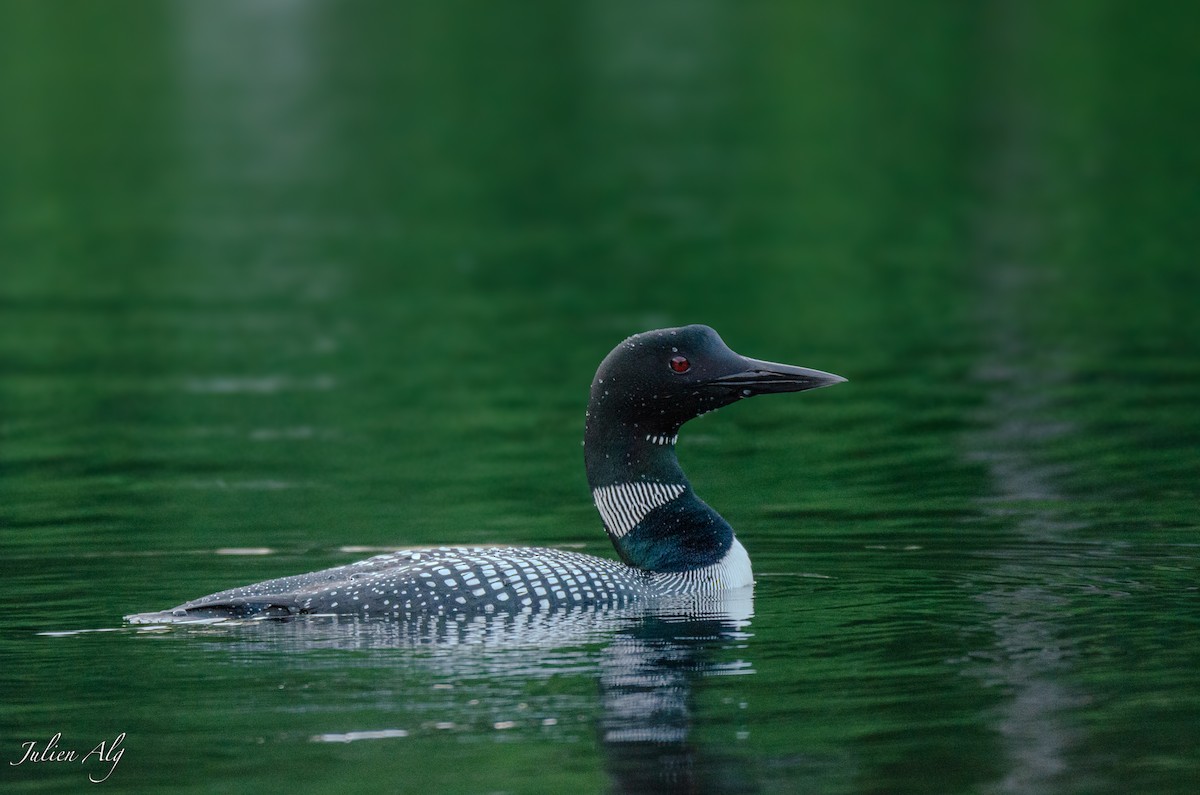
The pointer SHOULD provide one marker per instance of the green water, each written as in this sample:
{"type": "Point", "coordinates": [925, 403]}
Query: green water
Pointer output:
{"type": "Point", "coordinates": [303, 278]}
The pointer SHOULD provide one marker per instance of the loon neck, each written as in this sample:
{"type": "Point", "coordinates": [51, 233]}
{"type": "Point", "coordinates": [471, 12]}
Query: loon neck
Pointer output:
{"type": "Point", "coordinates": [653, 518]}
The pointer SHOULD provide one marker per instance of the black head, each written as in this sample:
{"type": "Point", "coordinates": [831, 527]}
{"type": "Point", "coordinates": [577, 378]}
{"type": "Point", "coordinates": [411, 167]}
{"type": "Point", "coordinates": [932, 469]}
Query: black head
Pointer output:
{"type": "Point", "coordinates": [659, 380]}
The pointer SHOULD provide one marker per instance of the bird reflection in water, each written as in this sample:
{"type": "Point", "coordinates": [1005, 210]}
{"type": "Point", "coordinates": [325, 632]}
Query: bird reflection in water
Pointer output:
{"type": "Point", "coordinates": [650, 675]}
{"type": "Point", "coordinates": [649, 663]}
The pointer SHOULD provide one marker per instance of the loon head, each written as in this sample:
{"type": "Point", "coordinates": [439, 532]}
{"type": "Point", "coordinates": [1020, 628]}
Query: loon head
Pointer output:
{"type": "Point", "coordinates": [661, 379]}
{"type": "Point", "coordinates": [644, 391]}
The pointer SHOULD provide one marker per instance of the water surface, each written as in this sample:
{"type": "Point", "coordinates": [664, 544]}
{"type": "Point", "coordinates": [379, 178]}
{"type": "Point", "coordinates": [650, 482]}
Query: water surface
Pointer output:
{"type": "Point", "coordinates": [286, 283]}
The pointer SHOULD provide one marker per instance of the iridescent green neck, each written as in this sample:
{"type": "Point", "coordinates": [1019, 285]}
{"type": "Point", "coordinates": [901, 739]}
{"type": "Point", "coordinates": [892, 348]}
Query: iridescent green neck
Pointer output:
{"type": "Point", "coordinates": [654, 519]}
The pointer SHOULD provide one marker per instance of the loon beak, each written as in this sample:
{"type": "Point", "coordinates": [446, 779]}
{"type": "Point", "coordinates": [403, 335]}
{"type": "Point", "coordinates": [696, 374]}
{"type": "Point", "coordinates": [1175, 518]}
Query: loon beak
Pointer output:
{"type": "Point", "coordinates": [761, 378]}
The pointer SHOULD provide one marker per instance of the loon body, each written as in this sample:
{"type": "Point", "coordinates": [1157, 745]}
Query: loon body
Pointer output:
{"type": "Point", "coordinates": [669, 541]}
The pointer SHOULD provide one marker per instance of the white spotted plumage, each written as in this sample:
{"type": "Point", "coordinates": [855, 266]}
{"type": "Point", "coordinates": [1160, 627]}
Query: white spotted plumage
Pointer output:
{"type": "Point", "coordinates": [399, 583]}
{"type": "Point", "coordinates": [408, 582]}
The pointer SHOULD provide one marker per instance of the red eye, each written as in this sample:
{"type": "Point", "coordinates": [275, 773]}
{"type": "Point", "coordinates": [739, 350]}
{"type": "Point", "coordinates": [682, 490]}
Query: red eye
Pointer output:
{"type": "Point", "coordinates": [680, 364]}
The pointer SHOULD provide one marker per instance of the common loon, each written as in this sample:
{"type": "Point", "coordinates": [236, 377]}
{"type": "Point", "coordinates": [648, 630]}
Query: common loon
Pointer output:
{"type": "Point", "coordinates": [670, 542]}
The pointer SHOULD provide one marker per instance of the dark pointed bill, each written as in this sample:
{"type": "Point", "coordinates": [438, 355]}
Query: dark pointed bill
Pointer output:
{"type": "Point", "coordinates": [761, 377]}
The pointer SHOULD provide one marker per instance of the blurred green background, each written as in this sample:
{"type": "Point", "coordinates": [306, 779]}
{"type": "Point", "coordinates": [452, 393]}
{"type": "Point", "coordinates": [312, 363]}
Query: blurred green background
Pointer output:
{"type": "Point", "coordinates": [301, 276]}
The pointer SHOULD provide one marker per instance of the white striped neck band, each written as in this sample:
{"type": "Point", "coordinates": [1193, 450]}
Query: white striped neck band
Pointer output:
{"type": "Point", "coordinates": [624, 505]}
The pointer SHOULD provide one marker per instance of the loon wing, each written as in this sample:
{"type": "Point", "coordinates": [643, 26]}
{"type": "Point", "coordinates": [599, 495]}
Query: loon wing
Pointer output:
{"type": "Point", "coordinates": [278, 598]}
{"type": "Point", "coordinates": [420, 581]}
{"type": "Point", "coordinates": [290, 596]}
{"type": "Point", "coordinates": [203, 610]}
